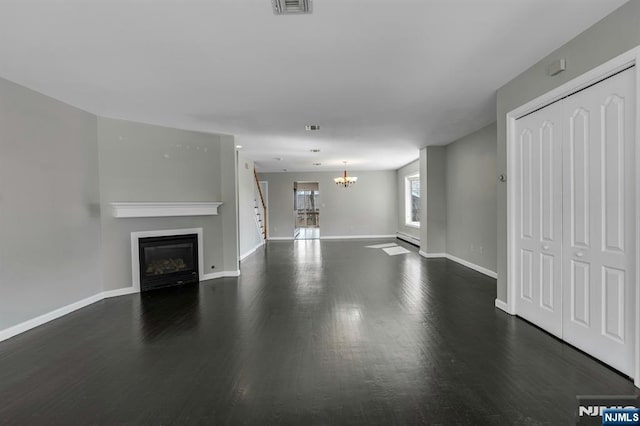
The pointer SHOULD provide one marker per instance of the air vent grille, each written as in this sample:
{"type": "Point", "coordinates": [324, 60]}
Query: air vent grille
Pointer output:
{"type": "Point", "coordinates": [291, 7]}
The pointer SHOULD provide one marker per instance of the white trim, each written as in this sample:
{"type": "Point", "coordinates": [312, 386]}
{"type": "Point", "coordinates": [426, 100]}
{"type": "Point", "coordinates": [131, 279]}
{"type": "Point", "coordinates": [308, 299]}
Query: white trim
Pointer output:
{"type": "Point", "coordinates": [354, 237]}
{"type": "Point", "coordinates": [250, 252]}
{"type": "Point", "coordinates": [408, 238]}
{"type": "Point", "coordinates": [135, 253]}
{"type": "Point", "coordinates": [636, 380]}
{"type": "Point", "coordinates": [485, 271]}
{"type": "Point", "coordinates": [511, 211]}
{"type": "Point", "coordinates": [7, 333]}
{"type": "Point", "coordinates": [279, 238]}
{"type": "Point", "coordinates": [620, 62]}
{"type": "Point", "coordinates": [477, 268]}
{"type": "Point", "coordinates": [431, 255]}
{"type": "Point", "coordinates": [223, 274]}
{"type": "Point", "coordinates": [503, 306]}
{"type": "Point", "coordinates": [164, 209]}
{"type": "Point", "coordinates": [119, 292]}
{"type": "Point", "coordinates": [60, 312]}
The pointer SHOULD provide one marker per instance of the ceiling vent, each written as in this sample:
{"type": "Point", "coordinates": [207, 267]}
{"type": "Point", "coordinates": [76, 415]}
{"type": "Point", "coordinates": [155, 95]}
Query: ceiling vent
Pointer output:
{"type": "Point", "coordinates": [291, 7]}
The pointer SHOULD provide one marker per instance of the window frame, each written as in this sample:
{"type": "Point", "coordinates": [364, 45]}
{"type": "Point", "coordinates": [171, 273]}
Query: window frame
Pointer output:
{"type": "Point", "coordinates": [407, 199]}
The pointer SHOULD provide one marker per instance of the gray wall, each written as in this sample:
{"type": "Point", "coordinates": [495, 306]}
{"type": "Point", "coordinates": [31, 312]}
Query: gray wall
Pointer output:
{"type": "Point", "coordinates": [401, 174]}
{"type": "Point", "coordinates": [308, 186]}
{"type": "Point", "coordinates": [613, 35]}
{"type": "Point", "coordinates": [229, 196]}
{"type": "Point", "coordinates": [140, 162]}
{"type": "Point", "coordinates": [247, 196]}
{"type": "Point", "coordinates": [60, 166]}
{"type": "Point", "coordinates": [49, 205]}
{"type": "Point", "coordinates": [366, 208]}
{"type": "Point", "coordinates": [436, 201]}
{"type": "Point", "coordinates": [471, 198]}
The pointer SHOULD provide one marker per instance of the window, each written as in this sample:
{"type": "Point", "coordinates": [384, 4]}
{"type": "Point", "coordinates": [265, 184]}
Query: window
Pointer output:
{"type": "Point", "coordinates": [412, 200]}
{"type": "Point", "coordinates": [306, 206]}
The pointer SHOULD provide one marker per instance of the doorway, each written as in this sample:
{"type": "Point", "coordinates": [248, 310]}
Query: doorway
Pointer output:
{"type": "Point", "coordinates": [306, 210]}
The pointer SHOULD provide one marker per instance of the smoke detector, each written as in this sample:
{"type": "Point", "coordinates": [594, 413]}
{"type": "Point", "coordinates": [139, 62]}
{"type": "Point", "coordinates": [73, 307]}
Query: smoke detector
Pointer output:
{"type": "Point", "coordinates": [291, 7]}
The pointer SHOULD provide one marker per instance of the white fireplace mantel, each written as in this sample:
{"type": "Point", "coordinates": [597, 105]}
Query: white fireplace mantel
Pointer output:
{"type": "Point", "coordinates": [165, 209]}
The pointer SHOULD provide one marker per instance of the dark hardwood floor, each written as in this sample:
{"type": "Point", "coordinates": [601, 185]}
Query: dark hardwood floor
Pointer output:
{"type": "Point", "coordinates": [313, 332]}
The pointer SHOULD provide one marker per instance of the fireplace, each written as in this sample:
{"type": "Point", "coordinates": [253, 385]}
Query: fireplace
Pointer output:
{"type": "Point", "coordinates": [168, 260]}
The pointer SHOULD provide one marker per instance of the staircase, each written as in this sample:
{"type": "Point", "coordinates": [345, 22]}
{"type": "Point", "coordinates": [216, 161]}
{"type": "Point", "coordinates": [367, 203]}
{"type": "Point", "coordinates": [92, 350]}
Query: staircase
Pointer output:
{"type": "Point", "coordinates": [260, 209]}
{"type": "Point", "coordinates": [260, 224]}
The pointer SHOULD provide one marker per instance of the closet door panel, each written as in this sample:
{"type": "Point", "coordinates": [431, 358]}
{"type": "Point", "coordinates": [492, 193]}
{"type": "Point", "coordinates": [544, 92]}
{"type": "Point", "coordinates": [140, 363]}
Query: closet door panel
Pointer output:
{"type": "Point", "coordinates": [579, 171]}
{"type": "Point", "coordinates": [539, 218]}
{"type": "Point", "coordinates": [598, 213]}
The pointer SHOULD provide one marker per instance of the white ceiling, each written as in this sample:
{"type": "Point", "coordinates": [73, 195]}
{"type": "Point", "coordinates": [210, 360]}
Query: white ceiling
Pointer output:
{"type": "Point", "coordinates": [381, 78]}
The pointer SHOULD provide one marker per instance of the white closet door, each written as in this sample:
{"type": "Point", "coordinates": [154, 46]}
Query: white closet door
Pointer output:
{"type": "Point", "coordinates": [539, 218]}
{"type": "Point", "coordinates": [598, 220]}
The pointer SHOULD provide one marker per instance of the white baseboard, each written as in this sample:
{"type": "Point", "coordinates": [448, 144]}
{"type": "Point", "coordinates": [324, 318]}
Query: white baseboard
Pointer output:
{"type": "Point", "coordinates": [473, 266]}
{"type": "Point", "coordinates": [119, 292]}
{"type": "Point", "coordinates": [463, 262]}
{"type": "Point", "coordinates": [250, 252]}
{"type": "Point", "coordinates": [408, 238]}
{"type": "Point", "coordinates": [354, 237]}
{"type": "Point", "coordinates": [503, 307]}
{"type": "Point", "coordinates": [337, 237]}
{"type": "Point", "coordinates": [12, 331]}
{"type": "Point", "coordinates": [431, 255]}
{"type": "Point", "coordinates": [221, 274]}
{"type": "Point", "coordinates": [7, 333]}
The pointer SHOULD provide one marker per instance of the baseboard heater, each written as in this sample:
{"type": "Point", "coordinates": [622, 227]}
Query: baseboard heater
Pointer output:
{"type": "Point", "coordinates": [408, 238]}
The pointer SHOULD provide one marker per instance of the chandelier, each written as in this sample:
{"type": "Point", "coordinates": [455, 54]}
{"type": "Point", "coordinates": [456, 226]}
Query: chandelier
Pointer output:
{"type": "Point", "coordinates": [345, 180]}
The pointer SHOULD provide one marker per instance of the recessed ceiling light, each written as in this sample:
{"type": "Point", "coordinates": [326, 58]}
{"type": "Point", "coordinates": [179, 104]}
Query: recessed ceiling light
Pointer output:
{"type": "Point", "coordinates": [238, 146]}
{"type": "Point", "coordinates": [317, 164]}
{"type": "Point", "coordinates": [314, 150]}
{"type": "Point", "coordinates": [312, 127]}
